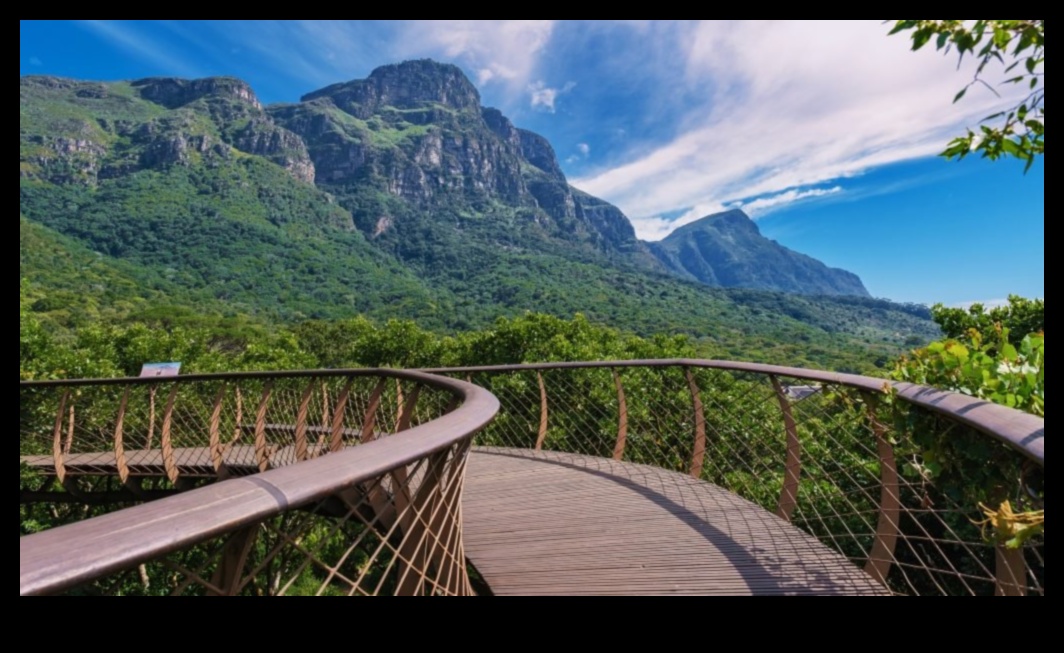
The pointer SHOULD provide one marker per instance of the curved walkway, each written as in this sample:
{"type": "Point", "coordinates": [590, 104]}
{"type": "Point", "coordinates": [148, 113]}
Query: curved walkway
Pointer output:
{"type": "Point", "coordinates": [539, 523]}
{"type": "Point", "coordinates": [559, 524]}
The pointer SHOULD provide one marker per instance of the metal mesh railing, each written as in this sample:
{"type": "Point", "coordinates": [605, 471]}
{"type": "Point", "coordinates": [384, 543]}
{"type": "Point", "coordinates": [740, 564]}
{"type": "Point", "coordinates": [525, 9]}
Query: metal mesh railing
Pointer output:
{"type": "Point", "coordinates": [294, 484]}
{"type": "Point", "coordinates": [839, 457]}
{"type": "Point", "coordinates": [303, 484]}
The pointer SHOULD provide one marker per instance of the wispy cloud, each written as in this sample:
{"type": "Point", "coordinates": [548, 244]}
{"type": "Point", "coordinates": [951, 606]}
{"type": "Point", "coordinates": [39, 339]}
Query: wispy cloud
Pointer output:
{"type": "Point", "coordinates": [498, 51]}
{"type": "Point", "coordinates": [36, 61]}
{"type": "Point", "coordinates": [131, 40]}
{"type": "Point", "coordinates": [759, 207]}
{"type": "Point", "coordinates": [545, 98]}
{"type": "Point", "coordinates": [584, 149]}
{"type": "Point", "coordinates": [790, 106]}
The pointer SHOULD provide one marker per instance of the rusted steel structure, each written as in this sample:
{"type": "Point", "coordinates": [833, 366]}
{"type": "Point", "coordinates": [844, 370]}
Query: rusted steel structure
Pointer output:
{"type": "Point", "coordinates": [638, 477]}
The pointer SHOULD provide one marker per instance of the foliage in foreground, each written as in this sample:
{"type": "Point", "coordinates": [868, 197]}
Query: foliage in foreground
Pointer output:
{"type": "Point", "coordinates": [1018, 46]}
{"type": "Point", "coordinates": [993, 355]}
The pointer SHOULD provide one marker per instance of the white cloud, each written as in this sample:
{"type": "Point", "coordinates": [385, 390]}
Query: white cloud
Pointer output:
{"type": "Point", "coordinates": [499, 51]}
{"type": "Point", "coordinates": [655, 228]}
{"type": "Point", "coordinates": [36, 61]}
{"type": "Point", "coordinates": [762, 205]}
{"type": "Point", "coordinates": [545, 98]}
{"type": "Point", "coordinates": [790, 105]}
{"type": "Point", "coordinates": [130, 40]}
{"type": "Point", "coordinates": [584, 149]}
{"type": "Point", "coordinates": [505, 53]}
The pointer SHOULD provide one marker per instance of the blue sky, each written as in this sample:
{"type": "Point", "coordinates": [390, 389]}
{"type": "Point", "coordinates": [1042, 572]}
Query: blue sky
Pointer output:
{"type": "Point", "coordinates": [825, 131]}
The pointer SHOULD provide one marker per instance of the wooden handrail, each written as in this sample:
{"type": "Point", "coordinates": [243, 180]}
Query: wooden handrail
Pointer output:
{"type": "Point", "coordinates": [69, 556]}
{"type": "Point", "coordinates": [1023, 432]}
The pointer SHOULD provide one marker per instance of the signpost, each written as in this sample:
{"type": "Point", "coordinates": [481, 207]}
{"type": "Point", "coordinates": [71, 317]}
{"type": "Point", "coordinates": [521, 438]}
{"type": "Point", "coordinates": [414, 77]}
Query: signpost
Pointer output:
{"type": "Point", "coordinates": [160, 370]}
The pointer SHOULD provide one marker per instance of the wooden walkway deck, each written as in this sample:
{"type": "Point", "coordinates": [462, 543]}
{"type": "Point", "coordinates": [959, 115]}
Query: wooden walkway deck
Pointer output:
{"type": "Point", "coordinates": [559, 524]}
{"type": "Point", "coordinates": [553, 524]}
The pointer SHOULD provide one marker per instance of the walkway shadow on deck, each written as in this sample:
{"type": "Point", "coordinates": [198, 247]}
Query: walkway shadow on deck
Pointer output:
{"type": "Point", "coordinates": [745, 549]}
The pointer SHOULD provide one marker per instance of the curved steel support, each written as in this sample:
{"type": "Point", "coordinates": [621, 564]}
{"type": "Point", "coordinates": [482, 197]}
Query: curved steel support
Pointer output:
{"type": "Point", "coordinates": [215, 443]}
{"type": "Point", "coordinates": [120, 448]}
{"type": "Point", "coordinates": [302, 415]}
{"type": "Point", "coordinates": [262, 448]}
{"type": "Point", "coordinates": [369, 422]}
{"type": "Point", "coordinates": [406, 415]}
{"type": "Point", "coordinates": [69, 443]}
{"type": "Point", "coordinates": [169, 462]}
{"type": "Point", "coordinates": [339, 410]}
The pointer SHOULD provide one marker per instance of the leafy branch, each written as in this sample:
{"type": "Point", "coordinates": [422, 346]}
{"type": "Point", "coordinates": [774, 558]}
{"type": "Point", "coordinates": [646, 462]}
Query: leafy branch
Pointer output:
{"type": "Point", "coordinates": [1018, 46]}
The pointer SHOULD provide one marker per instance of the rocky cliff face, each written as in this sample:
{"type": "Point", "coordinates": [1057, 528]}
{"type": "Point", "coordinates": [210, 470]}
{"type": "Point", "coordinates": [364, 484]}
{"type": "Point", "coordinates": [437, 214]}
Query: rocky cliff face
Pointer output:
{"type": "Point", "coordinates": [728, 250]}
{"type": "Point", "coordinates": [112, 130]}
{"type": "Point", "coordinates": [416, 132]}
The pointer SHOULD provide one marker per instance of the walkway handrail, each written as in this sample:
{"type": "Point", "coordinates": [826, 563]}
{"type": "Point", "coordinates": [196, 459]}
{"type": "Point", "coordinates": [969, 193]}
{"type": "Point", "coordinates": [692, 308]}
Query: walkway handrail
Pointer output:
{"type": "Point", "coordinates": [892, 475]}
{"type": "Point", "coordinates": [71, 556]}
{"type": "Point", "coordinates": [1023, 432]}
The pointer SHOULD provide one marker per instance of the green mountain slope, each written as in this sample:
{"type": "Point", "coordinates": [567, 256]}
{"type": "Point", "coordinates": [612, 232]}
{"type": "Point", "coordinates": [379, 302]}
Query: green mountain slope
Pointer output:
{"type": "Point", "coordinates": [397, 196]}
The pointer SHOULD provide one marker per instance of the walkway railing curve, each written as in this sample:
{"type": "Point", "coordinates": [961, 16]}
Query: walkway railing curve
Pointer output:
{"type": "Point", "coordinates": [272, 484]}
{"type": "Point", "coordinates": [891, 475]}
{"type": "Point", "coordinates": [319, 483]}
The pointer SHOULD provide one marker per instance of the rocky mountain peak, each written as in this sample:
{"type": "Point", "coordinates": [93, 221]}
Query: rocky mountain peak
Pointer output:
{"type": "Point", "coordinates": [175, 93]}
{"type": "Point", "coordinates": [728, 250]}
{"type": "Point", "coordinates": [405, 86]}
{"type": "Point", "coordinates": [733, 221]}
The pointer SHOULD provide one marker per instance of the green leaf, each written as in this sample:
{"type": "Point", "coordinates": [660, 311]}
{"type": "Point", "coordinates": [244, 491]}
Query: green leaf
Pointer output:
{"type": "Point", "coordinates": [960, 351]}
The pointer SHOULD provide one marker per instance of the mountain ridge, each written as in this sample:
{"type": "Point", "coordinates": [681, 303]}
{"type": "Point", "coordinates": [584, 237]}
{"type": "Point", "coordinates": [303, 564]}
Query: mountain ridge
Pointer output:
{"type": "Point", "coordinates": [368, 198]}
{"type": "Point", "coordinates": [728, 250]}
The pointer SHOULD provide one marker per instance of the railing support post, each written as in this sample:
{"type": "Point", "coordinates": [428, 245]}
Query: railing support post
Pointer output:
{"type": "Point", "coordinates": [793, 470]}
{"type": "Point", "coordinates": [881, 559]}
{"type": "Point", "coordinates": [698, 458]}
{"type": "Point", "coordinates": [622, 418]}
{"type": "Point", "coordinates": [57, 441]}
{"type": "Point", "coordinates": [544, 413]}
{"type": "Point", "coordinates": [1011, 572]}
{"type": "Point", "coordinates": [229, 574]}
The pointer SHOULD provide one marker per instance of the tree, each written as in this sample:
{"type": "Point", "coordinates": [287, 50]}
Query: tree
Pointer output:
{"type": "Point", "coordinates": [1021, 317]}
{"type": "Point", "coordinates": [1018, 46]}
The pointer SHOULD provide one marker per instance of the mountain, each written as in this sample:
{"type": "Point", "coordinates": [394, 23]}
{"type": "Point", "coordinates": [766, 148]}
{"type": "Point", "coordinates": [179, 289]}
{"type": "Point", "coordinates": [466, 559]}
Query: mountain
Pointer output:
{"type": "Point", "coordinates": [423, 167]}
{"type": "Point", "coordinates": [394, 196]}
{"type": "Point", "coordinates": [727, 250]}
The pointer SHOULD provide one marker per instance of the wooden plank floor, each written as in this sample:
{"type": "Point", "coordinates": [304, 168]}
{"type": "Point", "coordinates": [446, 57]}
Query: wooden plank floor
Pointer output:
{"type": "Point", "coordinates": [559, 524]}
